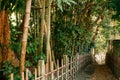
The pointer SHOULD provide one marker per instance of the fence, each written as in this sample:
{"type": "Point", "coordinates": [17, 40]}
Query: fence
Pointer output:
{"type": "Point", "coordinates": [66, 69]}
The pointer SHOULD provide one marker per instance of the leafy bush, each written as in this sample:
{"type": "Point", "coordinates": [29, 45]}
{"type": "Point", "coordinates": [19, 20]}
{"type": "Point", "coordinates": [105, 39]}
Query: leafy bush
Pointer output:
{"type": "Point", "coordinates": [8, 68]}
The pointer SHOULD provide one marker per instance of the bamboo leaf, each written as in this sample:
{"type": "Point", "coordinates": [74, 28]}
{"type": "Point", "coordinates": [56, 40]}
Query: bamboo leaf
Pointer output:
{"type": "Point", "coordinates": [71, 1]}
{"type": "Point", "coordinates": [59, 3]}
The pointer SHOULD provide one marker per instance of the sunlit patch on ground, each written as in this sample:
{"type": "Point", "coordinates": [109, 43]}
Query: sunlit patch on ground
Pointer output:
{"type": "Point", "coordinates": [100, 58]}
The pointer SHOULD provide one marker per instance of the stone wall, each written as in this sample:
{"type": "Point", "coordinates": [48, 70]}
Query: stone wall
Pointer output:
{"type": "Point", "coordinates": [114, 63]}
{"type": "Point", "coordinates": [113, 57]}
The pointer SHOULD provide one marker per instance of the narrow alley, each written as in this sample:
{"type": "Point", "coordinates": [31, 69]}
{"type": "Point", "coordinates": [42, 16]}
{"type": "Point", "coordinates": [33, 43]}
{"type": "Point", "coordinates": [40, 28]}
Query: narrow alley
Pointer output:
{"type": "Point", "coordinates": [98, 70]}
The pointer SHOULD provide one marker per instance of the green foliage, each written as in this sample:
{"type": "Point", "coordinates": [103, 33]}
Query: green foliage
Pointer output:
{"type": "Point", "coordinates": [66, 34]}
{"type": "Point", "coordinates": [64, 37]}
{"type": "Point", "coordinates": [15, 43]}
{"type": "Point", "coordinates": [114, 5]}
{"type": "Point", "coordinates": [13, 5]}
{"type": "Point", "coordinates": [37, 57]}
{"type": "Point", "coordinates": [31, 46]}
{"type": "Point", "coordinates": [61, 2]}
{"type": "Point", "coordinates": [8, 68]}
{"type": "Point", "coordinates": [28, 63]}
{"type": "Point", "coordinates": [116, 29]}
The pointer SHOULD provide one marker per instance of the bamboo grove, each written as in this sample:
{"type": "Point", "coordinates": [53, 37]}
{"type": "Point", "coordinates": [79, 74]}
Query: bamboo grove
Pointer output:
{"type": "Point", "coordinates": [31, 30]}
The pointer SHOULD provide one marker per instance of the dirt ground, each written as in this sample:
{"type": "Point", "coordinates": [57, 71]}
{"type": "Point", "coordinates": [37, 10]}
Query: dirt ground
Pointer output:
{"type": "Point", "coordinates": [95, 72]}
{"type": "Point", "coordinates": [102, 72]}
{"type": "Point", "coordinates": [86, 74]}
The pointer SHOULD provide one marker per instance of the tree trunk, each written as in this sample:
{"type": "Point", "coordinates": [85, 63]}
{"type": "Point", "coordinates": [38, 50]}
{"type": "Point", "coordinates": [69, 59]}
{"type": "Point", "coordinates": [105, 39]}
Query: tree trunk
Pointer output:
{"type": "Point", "coordinates": [96, 33]}
{"type": "Point", "coordinates": [96, 23]}
{"type": "Point", "coordinates": [20, 29]}
{"type": "Point", "coordinates": [5, 53]}
{"type": "Point", "coordinates": [25, 35]}
{"type": "Point", "coordinates": [5, 35]}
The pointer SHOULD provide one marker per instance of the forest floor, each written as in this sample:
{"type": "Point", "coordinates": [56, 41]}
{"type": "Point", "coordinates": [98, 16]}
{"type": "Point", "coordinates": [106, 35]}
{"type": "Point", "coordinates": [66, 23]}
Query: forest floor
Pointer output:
{"type": "Point", "coordinates": [95, 72]}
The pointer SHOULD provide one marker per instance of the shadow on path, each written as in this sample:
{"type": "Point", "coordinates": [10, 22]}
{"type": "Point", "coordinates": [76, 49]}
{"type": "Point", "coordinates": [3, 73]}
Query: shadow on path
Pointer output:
{"type": "Point", "coordinates": [95, 72]}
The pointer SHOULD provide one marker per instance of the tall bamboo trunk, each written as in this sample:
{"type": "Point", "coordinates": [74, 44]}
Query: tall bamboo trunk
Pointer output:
{"type": "Point", "coordinates": [25, 35]}
{"type": "Point", "coordinates": [48, 15]}
{"type": "Point", "coordinates": [42, 2]}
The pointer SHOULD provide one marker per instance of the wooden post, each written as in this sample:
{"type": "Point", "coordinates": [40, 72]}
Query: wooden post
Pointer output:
{"type": "Point", "coordinates": [35, 73]}
{"type": "Point", "coordinates": [23, 76]}
{"type": "Point", "coordinates": [62, 69]}
{"type": "Point", "coordinates": [77, 62]}
{"type": "Point", "coordinates": [46, 70]}
{"type": "Point", "coordinates": [66, 66]}
{"type": "Point", "coordinates": [71, 67]}
{"type": "Point", "coordinates": [57, 69]}
{"type": "Point", "coordinates": [39, 63]}
{"type": "Point", "coordinates": [51, 69]}
{"type": "Point", "coordinates": [80, 61]}
{"type": "Point", "coordinates": [42, 69]}
{"type": "Point", "coordinates": [11, 76]}
{"type": "Point", "coordinates": [26, 73]}
{"type": "Point", "coordinates": [74, 64]}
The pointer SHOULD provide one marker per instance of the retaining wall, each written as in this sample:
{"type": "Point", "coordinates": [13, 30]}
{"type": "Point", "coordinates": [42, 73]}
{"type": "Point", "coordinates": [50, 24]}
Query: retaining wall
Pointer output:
{"type": "Point", "coordinates": [114, 63]}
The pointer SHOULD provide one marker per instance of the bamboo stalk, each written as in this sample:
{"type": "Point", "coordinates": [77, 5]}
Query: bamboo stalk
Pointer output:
{"type": "Point", "coordinates": [26, 73]}
{"type": "Point", "coordinates": [35, 73]}
{"type": "Point", "coordinates": [78, 61]}
{"type": "Point", "coordinates": [48, 20]}
{"type": "Point", "coordinates": [51, 69]}
{"type": "Point", "coordinates": [57, 70]}
{"type": "Point", "coordinates": [39, 68]}
{"type": "Point", "coordinates": [42, 4]}
{"type": "Point", "coordinates": [71, 68]}
{"type": "Point", "coordinates": [75, 65]}
{"type": "Point", "coordinates": [66, 69]}
{"type": "Point", "coordinates": [42, 69]}
{"type": "Point", "coordinates": [25, 35]}
{"type": "Point", "coordinates": [11, 76]}
{"type": "Point", "coordinates": [62, 69]}
{"type": "Point", "coordinates": [22, 76]}
{"type": "Point", "coordinates": [46, 70]}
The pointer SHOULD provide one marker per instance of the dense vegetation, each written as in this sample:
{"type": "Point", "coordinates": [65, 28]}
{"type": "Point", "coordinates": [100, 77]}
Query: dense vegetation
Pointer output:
{"type": "Point", "coordinates": [57, 27]}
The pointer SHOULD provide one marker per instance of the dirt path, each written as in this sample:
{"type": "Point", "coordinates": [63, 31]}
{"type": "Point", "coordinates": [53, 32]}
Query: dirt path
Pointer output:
{"type": "Point", "coordinates": [86, 74]}
{"type": "Point", "coordinates": [102, 72]}
{"type": "Point", "coordinates": [96, 72]}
